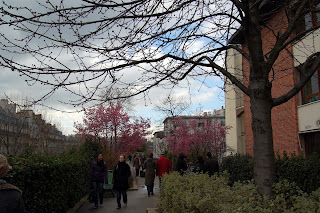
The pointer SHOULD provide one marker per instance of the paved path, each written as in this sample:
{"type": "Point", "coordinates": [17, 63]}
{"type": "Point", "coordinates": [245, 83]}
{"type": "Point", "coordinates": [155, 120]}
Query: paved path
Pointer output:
{"type": "Point", "coordinates": [138, 201]}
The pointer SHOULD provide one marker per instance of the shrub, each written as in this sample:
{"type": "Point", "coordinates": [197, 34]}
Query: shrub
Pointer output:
{"type": "Point", "coordinates": [201, 194]}
{"type": "Point", "coordinates": [53, 183]}
{"type": "Point", "coordinates": [240, 167]}
{"type": "Point", "coordinates": [302, 171]}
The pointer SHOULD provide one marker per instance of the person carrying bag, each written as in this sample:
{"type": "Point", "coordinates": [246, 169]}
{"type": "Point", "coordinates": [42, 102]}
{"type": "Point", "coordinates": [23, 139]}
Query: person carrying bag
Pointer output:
{"type": "Point", "coordinates": [98, 176]}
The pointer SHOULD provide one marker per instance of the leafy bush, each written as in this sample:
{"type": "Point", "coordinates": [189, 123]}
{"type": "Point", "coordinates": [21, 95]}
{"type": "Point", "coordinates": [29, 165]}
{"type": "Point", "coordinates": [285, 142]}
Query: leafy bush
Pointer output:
{"type": "Point", "coordinates": [240, 167]}
{"type": "Point", "coordinates": [304, 172]}
{"type": "Point", "coordinates": [200, 193]}
{"type": "Point", "coordinates": [53, 183]}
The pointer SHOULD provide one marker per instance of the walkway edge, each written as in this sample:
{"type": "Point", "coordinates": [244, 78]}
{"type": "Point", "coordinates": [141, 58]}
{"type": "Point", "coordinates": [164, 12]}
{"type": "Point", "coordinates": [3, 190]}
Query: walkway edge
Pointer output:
{"type": "Point", "coordinates": [78, 205]}
{"type": "Point", "coordinates": [151, 210]}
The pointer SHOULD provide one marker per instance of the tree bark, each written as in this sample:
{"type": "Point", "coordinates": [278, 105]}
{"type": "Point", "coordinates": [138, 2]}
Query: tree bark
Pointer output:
{"type": "Point", "coordinates": [261, 103]}
{"type": "Point", "coordinates": [261, 106]}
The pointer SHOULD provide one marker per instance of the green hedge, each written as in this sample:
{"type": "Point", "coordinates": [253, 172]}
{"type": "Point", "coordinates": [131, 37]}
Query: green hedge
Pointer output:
{"type": "Point", "coordinates": [304, 172]}
{"type": "Point", "coordinates": [198, 193]}
{"type": "Point", "coordinates": [240, 167]}
{"type": "Point", "coordinates": [53, 183]}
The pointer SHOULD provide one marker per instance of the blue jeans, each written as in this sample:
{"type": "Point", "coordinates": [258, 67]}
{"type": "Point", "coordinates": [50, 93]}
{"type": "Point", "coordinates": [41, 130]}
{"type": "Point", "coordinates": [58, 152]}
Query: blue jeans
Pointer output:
{"type": "Point", "coordinates": [124, 195]}
{"type": "Point", "coordinates": [97, 189]}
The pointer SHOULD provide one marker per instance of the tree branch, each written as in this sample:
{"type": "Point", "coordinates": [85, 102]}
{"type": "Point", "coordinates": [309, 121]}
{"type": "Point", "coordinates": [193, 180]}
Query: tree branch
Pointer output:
{"type": "Point", "coordinates": [278, 47]}
{"type": "Point", "coordinates": [308, 73]}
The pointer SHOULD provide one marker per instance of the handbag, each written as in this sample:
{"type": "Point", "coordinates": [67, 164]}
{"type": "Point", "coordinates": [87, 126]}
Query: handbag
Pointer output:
{"type": "Point", "coordinates": [91, 197]}
{"type": "Point", "coordinates": [142, 173]}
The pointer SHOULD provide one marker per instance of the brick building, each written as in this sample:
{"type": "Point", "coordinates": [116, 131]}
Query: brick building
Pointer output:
{"type": "Point", "coordinates": [296, 123]}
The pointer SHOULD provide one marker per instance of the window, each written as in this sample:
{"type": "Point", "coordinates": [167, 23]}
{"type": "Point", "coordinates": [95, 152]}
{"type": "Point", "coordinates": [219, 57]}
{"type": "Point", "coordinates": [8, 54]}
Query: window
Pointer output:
{"type": "Point", "coordinates": [310, 19]}
{"type": "Point", "coordinates": [312, 143]}
{"type": "Point", "coordinates": [311, 91]}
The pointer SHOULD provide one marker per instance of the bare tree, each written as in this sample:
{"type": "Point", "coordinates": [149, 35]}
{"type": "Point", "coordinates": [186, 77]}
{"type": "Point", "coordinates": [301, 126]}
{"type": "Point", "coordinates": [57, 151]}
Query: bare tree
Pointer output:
{"type": "Point", "coordinates": [127, 103]}
{"type": "Point", "coordinates": [172, 106]}
{"type": "Point", "coordinates": [137, 45]}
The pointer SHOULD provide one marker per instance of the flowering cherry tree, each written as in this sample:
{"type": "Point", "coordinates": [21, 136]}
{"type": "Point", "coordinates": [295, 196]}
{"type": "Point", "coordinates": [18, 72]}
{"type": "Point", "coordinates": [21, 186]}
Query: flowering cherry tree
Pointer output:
{"type": "Point", "coordinates": [194, 138]}
{"type": "Point", "coordinates": [112, 126]}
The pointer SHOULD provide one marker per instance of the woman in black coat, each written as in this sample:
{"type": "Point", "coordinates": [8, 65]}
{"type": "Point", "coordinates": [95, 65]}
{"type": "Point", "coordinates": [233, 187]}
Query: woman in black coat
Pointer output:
{"type": "Point", "coordinates": [150, 166]}
{"type": "Point", "coordinates": [98, 176]}
{"type": "Point", "coordinates": [181, 164]}
{"type": "Point", "coordinates": [121, 176]}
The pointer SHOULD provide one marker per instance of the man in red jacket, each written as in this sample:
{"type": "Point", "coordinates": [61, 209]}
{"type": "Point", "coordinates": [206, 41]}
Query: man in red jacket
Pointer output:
{"type": "Point", "coordinates": [163, 167]}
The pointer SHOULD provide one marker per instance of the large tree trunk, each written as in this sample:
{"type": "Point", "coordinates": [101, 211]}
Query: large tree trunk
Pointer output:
{"type": "Point", "coordinates": [261, 105]}
{"type": "Point", "coordinates": [261, 102]}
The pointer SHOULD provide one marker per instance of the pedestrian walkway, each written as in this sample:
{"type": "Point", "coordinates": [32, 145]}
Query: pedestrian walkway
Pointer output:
{"type": "Point", "coordinates": [138, 201]}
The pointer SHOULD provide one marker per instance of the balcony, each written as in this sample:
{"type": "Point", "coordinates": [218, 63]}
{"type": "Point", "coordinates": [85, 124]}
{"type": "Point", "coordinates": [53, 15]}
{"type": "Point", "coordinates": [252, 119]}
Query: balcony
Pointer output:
{"type": "Point", "coordinates": [309, 117]}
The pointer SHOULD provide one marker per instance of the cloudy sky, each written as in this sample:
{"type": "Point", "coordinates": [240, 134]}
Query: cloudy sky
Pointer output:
{"type": "Point", "coordinates": [204, 93]}
{"type": "Point", "coordinates": [205, 97]}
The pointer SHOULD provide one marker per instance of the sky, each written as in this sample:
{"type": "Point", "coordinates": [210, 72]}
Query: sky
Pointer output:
{"type": "Point", "coordinates": [201, 96]}
{"type": "Point", "coordinates": [204, 94]}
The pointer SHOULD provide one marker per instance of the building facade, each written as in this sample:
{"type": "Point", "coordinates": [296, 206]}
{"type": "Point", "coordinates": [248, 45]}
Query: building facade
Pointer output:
{"type": "Point", "coordinates": [24, 130]}
{"type": "Point", "coordinates": [296, 123]}
{"type": "Point", "coordinates": [159, 144]}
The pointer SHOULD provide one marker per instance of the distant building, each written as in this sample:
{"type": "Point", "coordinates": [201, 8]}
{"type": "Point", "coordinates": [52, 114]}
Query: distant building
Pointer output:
{"type": "Point", "coordinates": [159, 143]}
{"type": "Point", "coordinates": [25, 130]}
{"type": "Point", "coordinates": [213, 116]}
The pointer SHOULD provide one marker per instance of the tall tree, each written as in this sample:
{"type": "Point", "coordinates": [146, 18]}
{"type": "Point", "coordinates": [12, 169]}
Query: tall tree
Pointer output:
{"type": "Point", "coordinates": [112, 125]}
{"type": "Point", "coordinates": [138, 44]}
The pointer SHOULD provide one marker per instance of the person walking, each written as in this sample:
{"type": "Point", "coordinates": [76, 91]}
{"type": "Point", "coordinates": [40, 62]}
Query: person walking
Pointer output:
{"type": "Point", "coordinates": [150, 167]}
{"type": "Point", "coordinates": [181, 165]}
{"type": "Point", "coordinates": [121, 176]}
{"type": "Point", "coordinates": [130, 159]}
{"type": "Point", "coordinates": [211, 165]}
{"type": "Point", "coordinates": [98, 176]}
{"type": "Point", "coordinates": [143, 159]}
{"type": "Point", "coordinates": [137, 164]}
{"type": "Point", "coordinates": [10, 195]}
{"type": "Point", "coordinates": [199, 167]}
{"type": "Point", "coordinates": [163, 167]}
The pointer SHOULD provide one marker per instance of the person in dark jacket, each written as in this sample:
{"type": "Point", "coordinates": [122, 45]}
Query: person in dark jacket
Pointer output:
{"type": "Point", "coordinates": [143, 159]}
{"type": "Point", "coordinates": [130, 158]}
{"type": "Point", "coordinates": [10, 196]}
{"type": "Point", "coordinates": [150, 167]}
{"type": "Point", "coordinates": [211, 165]}
{"type": "Point", "coordinates": [199, 167]}
{"type": "Point", "coordinates": [137, 164]}
{"type": "Point", "coordinates": [121, 176]}
{"type": "Point", "coordinates": [181, 166]}
{"type": "Point", "coordinates": [98, 176]}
